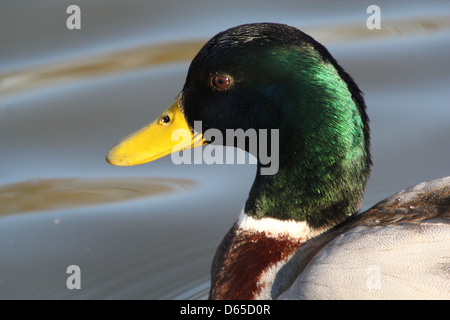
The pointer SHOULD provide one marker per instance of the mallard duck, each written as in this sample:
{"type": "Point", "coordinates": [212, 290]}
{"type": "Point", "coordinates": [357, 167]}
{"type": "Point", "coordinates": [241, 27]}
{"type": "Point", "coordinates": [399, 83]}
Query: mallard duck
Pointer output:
{"type": "Point", "coordinates": [299, 234]}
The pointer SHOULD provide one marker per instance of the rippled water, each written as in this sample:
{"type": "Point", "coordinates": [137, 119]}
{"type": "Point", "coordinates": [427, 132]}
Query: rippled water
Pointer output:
{"type": "Point", "coordinates": [151, 231]}
{"type": "Point", "coordinates": [54, 194]}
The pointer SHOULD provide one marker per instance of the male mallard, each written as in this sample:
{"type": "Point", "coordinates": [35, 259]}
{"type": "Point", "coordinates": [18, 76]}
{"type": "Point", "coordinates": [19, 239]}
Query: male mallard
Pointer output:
{"type": "Point", "coordinates": [299, 234]}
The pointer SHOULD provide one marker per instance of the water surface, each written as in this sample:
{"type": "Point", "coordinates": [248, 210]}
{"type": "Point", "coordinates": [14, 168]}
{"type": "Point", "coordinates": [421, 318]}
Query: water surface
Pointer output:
{"type": "Point", "coordinates": [150, 232]}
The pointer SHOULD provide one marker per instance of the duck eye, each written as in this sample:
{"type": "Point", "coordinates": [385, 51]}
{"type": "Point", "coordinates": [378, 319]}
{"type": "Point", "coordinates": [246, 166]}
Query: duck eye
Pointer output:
{"type": "Point", "coordinates": [221, 82]}
{"type": "Point", "coordinates": [165, 119]}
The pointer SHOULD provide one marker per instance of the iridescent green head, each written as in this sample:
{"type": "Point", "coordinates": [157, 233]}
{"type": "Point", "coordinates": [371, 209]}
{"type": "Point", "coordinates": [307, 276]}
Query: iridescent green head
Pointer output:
{"type": "Point", "coordinates": [273, 76]}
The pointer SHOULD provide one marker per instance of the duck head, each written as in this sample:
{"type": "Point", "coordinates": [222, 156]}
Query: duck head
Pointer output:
{"type": "Point", "coordinates": [272, 76]}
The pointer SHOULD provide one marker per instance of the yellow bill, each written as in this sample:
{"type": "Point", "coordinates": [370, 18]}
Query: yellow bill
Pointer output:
{"type": "Point", "coordinates": [167, 134]}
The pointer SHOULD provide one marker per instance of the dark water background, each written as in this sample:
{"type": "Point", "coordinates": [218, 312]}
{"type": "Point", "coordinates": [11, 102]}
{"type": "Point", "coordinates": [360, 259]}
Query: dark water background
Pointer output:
{"type": "Point", "coordinates": [150, 231]}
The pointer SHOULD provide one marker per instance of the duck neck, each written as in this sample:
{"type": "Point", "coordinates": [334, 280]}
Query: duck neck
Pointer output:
{"type": "Point", "coordinates": [324, 162]}
{"type": "Point", "coordinates": [321, 195]}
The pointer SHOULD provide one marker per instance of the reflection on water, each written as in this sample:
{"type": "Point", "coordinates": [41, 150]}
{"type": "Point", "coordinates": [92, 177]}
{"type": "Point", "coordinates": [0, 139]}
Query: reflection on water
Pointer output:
{"type": "Point", "coordinates": [390, 28]}
{"type": "Point", "coordinates": [157, 54]}
{"type": "Point", "coordinates": [52, 194]}
{"type": "Point", "coordinates": [125, 60]}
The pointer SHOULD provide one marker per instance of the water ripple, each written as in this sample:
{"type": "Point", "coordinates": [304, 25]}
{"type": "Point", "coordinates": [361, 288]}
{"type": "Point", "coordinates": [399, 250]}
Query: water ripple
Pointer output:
{"type": "Point", "coordinates": [157, 54]}
{"type": "Point", "coordinates": [51, 194]}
